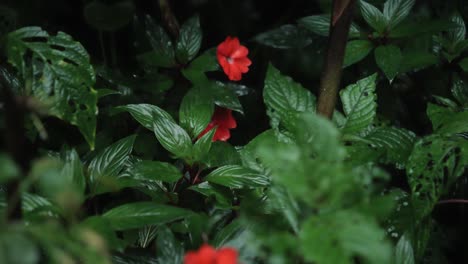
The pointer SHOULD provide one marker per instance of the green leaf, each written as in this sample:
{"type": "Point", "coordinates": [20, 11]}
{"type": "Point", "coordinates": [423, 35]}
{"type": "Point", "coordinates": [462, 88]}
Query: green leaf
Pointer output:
{"type": "Point", "coordinates": [172, 137]}
{"type": "Point", "coordinates": [320, 25]}
{"type": "Point", "coordinates": [285, 96]}
{"type": "Point", "coordinates": [373, 16]}
{"type": "Point", "coordinates": [8, 169]}
{"type": "Point", "coordinates": [446, 121]}
{"type": "Point", "coordinates": [464, 64]}
{"type": "Point", "coordinates": [145, 114]}
{"type": "Point", "coordinates": [435, 163]}
{"type": "Point", "coordinates": [155, 171]}
{"type": "Point", "coordinates": [285, 204]}
{"type": "Point", "coordinates": [339, 237]}
{"type": "Point", "coordinates": [389, 59]}
{"type": "Point", "coordinates": [221, 153]}
{"type": "Point", "coordinates": [169, 250]}
{"type": "Point", "coordinates": [222, 197]}
{"type": "Point", "coordinates": [73, 168]}
{"type": "Point", "coordinates": [101, 227]}
{"type": "Point", "coordinates": [356, 50]}
{"type": "Point", "coordinates": [109, 162]}
{"type": "Point", "coordinates": [195, 111]}
{"type": "Point", "coordinates": [17, 248]}
{"type": "Point", "coordinates": [319, 138]}
{"type": "Point", "coordinates": [107, 17]}
{"type": "Point", "coordinates": [190, 39]}
{"type": "Point", "coordinates": [457, 34]}
{"type": "Point", "coordinates": [396, 142]}
{"type": "Point", "coordinates": [206, 62]}
{"type": "Point", "coordinates": [285, 37]}
{"type": "Point", "coordinates": [460, 91]}
{"type": "Point", "coordinates": [228, 233]}
{"type": "Point", "coordinates": [416, 60]}
{"type": "Point", "coordinates": [414, 28]}
{"type": "Point", "coordinates": [59, 75]}
{"type": "Point", "coordinates": [163, 48]}
{"type": "Point", "coordinates": [237, 177]}
{"type": "Point", "coordinates": [396, 11]}
{"type": "Point", "coordinates": [203, 145]}
{"type": "Point", "coordinates": [404, 251]}
{"type": "Point", "coordinates": [136, 215]}
{"type": "Point", "coordinates": [359, 105]}
{"type": "Point", "coordinates": [224, 96]}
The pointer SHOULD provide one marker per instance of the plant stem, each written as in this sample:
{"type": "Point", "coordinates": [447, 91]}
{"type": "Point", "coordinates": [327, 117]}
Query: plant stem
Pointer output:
{"type": "Point", "coordinates": [450, 201]}
{"type": "Point", "coordinates": [340, 23]}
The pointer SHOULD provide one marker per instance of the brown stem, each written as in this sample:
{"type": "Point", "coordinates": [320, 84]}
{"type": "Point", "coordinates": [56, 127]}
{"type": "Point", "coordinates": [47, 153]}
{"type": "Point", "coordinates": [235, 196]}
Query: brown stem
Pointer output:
{"type": "Point", "coordinates": [459, 201]}
{"type": "Point", "coordinates": [339, 27]}
{"type": "Point", "coordinates": [170, 21]}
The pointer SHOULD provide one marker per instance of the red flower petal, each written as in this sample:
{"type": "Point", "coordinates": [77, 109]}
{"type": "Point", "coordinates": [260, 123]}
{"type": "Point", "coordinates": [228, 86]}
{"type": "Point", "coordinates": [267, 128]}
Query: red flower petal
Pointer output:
{"type": "Point", "coordinates": [223, 120]}
{"type": "Point", "coordinates": [227, 256]}
{"type": "Point", "coordinates": [232, 57]}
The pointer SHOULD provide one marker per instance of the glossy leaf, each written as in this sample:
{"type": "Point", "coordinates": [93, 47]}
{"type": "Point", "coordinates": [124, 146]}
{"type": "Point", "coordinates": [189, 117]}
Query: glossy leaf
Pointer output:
{"type": "Point", "coordinates": [284, 96]}
{"type": "Point", "coordinates": [110, 161]}
{"type": "Point", "coordinates": [60, 76]}
{"type": "Point", "coordinates": [359, 105]}
{"type": "Point", "coordinates": [189, 42]}
{"type": "Point", "coordinates": [404, 251]}
{"type": "Point", "coordinates": [163, 48]}
{"type": "Point", "coordinates": [172, 137]}
{"type": "Point", "coordinates": [195, 111]}
{"type": "Point", "coordinates": [136, 215]}
{"type": "Point", "coordinates": [320, 25]}
{"type": "Point", "coordinates": [356, 50]}
{"type": "Point", "coordinates": [396, 11]}
{"type": "Point", "coordinates": [237, 177]}
{"type": "Point", "coordinates": [396, 142]}
{"type": "Point", "coordinates": [169, 250]}
{"type": "Point", "coordinates": [145, 114]}
{"type": "Point", "coordinates": [389, 59]}
{"type": "Point", "coordinates": [155, 171]}
{"type": "Point", "coordinates": [373, 16]}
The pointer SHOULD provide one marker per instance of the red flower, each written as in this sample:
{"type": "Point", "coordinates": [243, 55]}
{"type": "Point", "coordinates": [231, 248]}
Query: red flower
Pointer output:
{"type": "Point", "coordinates": [232, 57]}
{"type": "Point", "coordinates": [223, 120]}
{"type": "Point", "coordinates": [208, 255]}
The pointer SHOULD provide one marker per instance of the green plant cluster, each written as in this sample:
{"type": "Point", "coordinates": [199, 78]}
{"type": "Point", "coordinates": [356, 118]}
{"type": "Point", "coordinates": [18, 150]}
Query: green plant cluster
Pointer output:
{"type": "Point", "coordinates": [112, 168]}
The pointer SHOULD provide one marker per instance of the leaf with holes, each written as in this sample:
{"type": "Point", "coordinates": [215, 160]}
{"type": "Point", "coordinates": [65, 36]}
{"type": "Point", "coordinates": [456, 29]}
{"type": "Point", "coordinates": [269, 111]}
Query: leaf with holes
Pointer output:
{"type": "Point", "coordinates": [435, 163]}
{"type": "Point", "coordinates": [57, 71]}
{"type": "Point", "coordinates": [359, 105]}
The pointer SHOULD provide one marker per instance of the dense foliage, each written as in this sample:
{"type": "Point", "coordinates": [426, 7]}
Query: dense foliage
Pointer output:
{"type": "Point", "coordinates": [188, 132]}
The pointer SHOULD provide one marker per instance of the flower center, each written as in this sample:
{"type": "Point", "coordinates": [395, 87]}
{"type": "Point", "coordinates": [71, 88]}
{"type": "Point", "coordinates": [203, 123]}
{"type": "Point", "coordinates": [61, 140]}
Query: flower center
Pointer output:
{"type": "Point", "coordinates": [230, 60]}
